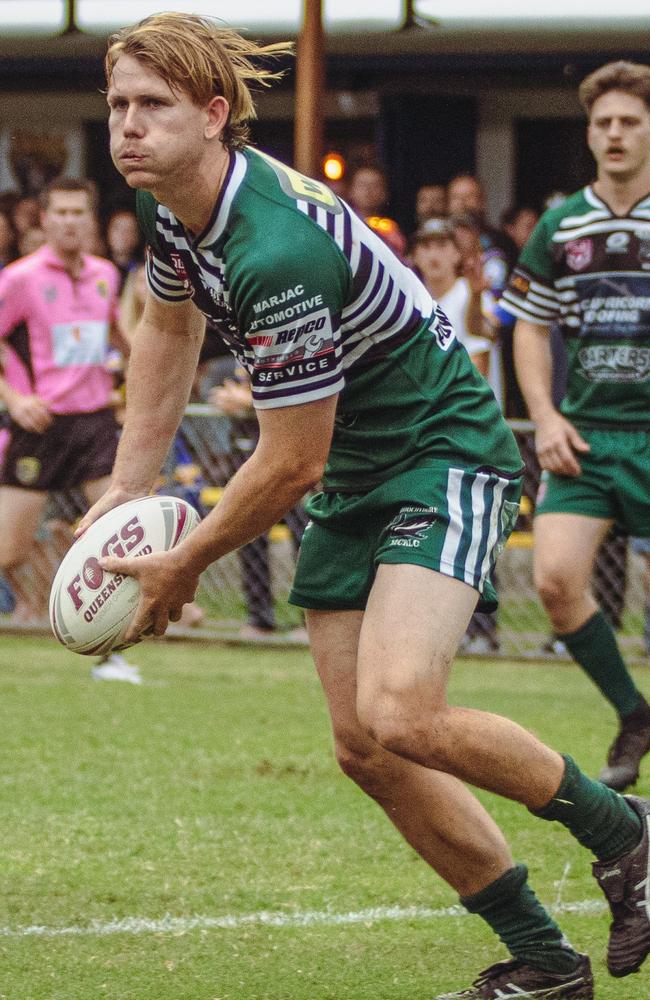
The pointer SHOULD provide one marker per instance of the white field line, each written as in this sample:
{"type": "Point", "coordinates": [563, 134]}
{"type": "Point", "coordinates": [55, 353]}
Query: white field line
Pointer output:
{"type": "Point", "coordinates": [309, 918]}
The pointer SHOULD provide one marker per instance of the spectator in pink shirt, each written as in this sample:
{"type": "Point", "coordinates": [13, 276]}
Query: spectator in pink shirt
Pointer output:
{"type": "Point", "coordinates": [58, 310]}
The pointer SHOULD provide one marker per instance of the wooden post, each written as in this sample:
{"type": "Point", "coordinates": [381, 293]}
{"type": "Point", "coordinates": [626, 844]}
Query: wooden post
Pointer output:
{"type": "Point", "coordinates": [310, 90]}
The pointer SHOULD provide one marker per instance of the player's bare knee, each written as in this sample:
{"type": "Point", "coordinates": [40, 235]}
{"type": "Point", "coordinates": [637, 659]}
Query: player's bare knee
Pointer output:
{"type": "Point", "coordinates": [416, 732]}
{"type": "Point", "coordinates": [364, 763]}
{"type": "Point", "coordinates": [553, 589]}
{"type": "Point", "coordinates": [394, 726]}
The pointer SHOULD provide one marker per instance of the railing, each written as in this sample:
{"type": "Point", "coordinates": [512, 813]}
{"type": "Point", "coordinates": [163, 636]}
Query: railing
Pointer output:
{"type": "Point", "coordinates": [251, 585]}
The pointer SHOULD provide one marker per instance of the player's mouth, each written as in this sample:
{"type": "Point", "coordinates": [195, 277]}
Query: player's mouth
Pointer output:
{"type": "Point", "coordinates": [131, 157]}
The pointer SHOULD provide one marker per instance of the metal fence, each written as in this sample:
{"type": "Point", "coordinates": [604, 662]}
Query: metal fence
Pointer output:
{"type": "Point", "coordinates": [244, 595]}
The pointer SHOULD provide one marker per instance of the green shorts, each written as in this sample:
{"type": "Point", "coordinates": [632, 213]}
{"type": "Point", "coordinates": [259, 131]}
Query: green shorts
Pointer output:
{"type": "Point", "coordinates": [614, 483]}
{"type": "Point", "coordinates": [452, 520]}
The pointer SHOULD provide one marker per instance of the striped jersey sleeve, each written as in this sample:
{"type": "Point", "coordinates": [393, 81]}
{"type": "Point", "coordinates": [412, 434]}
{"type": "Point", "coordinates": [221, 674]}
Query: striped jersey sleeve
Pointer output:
{"type": "Point", "coordinates": [163, 281]}
{"type": "Point", "coordinates": [164, 269]}
{"type": "Point", "coordinates": [530, 293]}
{"type": "Point", "coordinates": [289, 308]}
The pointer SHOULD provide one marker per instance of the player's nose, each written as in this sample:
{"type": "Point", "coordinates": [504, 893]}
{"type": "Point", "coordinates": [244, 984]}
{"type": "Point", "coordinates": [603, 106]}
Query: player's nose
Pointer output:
{"type": "Point", "coordinates": [133, 122]}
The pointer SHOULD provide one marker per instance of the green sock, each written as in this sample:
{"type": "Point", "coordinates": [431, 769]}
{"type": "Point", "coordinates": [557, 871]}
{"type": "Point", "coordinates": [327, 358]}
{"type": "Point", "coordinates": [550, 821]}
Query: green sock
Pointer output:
{"type": "Point", "coordinates": [513, 911]}
{"type": "Point", "coordinates": [595, 648]}
{"type": "Point", "coordinates": [598, 818]}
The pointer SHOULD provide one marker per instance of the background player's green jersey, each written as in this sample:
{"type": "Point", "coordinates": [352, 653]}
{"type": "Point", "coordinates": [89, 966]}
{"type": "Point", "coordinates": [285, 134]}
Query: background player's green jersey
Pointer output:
{"type": "Point", "coordinates": [313, 303]}
{"type": "Point", "coordinates": [589, 270]}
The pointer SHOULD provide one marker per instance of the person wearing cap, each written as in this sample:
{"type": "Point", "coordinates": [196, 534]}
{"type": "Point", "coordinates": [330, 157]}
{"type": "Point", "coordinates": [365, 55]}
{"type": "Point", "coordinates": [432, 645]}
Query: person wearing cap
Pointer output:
{"type": "Point", "coordinates": [437, 258]}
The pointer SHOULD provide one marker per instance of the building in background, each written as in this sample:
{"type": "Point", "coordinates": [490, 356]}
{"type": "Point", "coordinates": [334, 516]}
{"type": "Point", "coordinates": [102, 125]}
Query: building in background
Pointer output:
{"type": "Point", "coordinates": [495, 98]}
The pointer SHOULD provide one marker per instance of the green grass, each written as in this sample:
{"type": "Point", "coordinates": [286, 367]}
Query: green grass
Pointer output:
{"type": "Point", "coordinates": [211, 791]}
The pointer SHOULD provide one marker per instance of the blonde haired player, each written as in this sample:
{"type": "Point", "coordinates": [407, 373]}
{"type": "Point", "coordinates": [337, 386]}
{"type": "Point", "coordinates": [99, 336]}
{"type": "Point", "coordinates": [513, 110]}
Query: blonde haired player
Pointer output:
{"type": "Point", "coordinates": [358, 382]}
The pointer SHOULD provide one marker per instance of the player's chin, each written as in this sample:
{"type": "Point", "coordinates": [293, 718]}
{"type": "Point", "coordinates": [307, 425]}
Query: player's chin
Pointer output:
{"type": "Point", "coordinates": [137, 177]}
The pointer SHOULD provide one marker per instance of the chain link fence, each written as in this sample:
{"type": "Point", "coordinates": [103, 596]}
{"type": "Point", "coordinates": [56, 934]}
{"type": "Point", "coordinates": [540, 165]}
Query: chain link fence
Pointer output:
{"type": "Point", "coordinates": [244, 595]}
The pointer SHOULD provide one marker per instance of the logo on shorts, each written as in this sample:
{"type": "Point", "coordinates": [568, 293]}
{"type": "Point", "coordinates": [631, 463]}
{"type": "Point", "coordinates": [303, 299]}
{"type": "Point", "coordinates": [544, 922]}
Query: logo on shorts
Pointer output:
{"type": "Point", "coordinates": [410, 526]}
{"type": "Point", "coordinates": [28, 470]}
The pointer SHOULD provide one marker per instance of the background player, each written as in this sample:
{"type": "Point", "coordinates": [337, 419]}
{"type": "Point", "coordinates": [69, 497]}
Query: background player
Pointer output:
{"type": "Point", "coordinates": [587, 265]}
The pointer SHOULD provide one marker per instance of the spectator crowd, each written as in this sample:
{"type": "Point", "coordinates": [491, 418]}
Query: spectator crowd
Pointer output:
{"type": "Point", "coordinates": [463, 261]}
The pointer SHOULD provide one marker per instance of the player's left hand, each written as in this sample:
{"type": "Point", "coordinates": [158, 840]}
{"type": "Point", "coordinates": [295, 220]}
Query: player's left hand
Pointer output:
{"type": "Point", "coordinates": [166, 584]}
{"type": "Point", "coordinates": [112, 498]}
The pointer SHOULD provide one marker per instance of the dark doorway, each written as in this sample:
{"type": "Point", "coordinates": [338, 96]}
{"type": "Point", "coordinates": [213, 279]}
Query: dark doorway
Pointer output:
{"type": "Point", "coordinates": [552, 155]}
{"type": "Point", "coordinates": [425, 139]}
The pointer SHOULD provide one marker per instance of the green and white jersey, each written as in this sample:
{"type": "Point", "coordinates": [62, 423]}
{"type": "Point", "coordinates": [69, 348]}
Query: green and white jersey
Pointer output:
{"type": "Point", "coordinates": [313, 303]}
{"type": "Point", "coordinates": [589, 270]}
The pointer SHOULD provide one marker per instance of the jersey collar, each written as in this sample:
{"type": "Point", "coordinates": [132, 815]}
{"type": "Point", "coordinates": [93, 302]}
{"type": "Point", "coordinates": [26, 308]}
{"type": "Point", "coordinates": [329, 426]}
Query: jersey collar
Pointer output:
{"type": "Point", "coordinates": [232, 181]}
{"type": "Point", "coordinates": [642, 206]}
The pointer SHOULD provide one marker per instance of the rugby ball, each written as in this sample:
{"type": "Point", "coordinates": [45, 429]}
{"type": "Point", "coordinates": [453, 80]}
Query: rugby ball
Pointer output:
{"type": "Point", "coordinates": [90, 608]}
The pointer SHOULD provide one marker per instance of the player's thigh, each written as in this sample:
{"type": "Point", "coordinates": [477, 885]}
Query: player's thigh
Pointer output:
{"type": "Point", "coordinates": [20, 515]}
{"type": "Point", "coordinates": [565, 547]}
{"type": "Point", "coordinates": [95, 488]}
{"type": "Point", "coordinates": [411, 630]}
{"type": "Point", "coordinates": [334, 643]}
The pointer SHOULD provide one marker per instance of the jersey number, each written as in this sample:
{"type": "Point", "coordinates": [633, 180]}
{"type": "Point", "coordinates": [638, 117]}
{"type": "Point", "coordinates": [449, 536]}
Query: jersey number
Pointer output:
{"type": "Point", "coordinates": [298, 186]}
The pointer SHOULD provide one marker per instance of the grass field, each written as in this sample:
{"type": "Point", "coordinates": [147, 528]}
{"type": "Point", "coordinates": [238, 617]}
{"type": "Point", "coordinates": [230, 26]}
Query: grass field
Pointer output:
{"type": "Point", "coordinates": [192, 839]}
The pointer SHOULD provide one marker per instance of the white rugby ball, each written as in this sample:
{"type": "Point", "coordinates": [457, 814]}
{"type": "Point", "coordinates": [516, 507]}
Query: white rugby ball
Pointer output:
{"type": "Point", "coordinates": [90, 608]}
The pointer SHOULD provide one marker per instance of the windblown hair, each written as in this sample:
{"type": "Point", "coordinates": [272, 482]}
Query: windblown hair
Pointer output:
{"type": "Point", "coordinates": [196, 56]}
{"type": "Point", "coordinates": [628, 77]}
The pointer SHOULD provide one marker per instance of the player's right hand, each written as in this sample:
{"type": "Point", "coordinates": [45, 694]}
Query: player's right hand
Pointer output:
{"type": "Point", "coordinates": [30, 413]}
{"type": "Point", "coordinates": [112, 498]}
{"type": "Point", "coordinates": [558, 444]}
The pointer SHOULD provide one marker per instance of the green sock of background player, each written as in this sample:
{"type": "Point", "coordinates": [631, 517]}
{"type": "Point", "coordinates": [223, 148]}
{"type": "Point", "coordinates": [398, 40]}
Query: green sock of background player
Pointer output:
{"type": "Point", "coordinates": [594, 647]}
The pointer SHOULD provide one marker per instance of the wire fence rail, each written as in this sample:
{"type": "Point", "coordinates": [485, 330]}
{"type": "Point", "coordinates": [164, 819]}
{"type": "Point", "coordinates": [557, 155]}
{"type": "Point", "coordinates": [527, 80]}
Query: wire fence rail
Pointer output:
{"type": "Point", "coordinates": [243, 597]}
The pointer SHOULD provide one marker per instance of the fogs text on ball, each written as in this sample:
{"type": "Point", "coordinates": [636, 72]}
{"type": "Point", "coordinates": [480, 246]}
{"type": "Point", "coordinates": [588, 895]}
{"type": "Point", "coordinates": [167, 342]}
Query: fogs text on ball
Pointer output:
{"type": "Point", "coordinates": [90, 608]}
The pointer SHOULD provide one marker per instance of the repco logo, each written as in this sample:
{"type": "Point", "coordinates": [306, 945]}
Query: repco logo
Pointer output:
{"type": "Point", "coordinates": [119, 544]}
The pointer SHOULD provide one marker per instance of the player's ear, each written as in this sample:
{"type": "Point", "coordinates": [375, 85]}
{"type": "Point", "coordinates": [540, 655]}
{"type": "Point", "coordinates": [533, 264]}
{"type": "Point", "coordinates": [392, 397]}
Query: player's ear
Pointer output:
{"type": "Point", "coordinates": [217, 112]}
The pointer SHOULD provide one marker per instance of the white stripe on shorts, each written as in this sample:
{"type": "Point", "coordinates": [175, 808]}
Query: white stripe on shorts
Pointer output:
{"type": "Point", "coordinates": [478, 513]}
{"type": "Point", "coordinates": [469, 524]}
{"type": "Point", "coordinates": [455, 529]}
